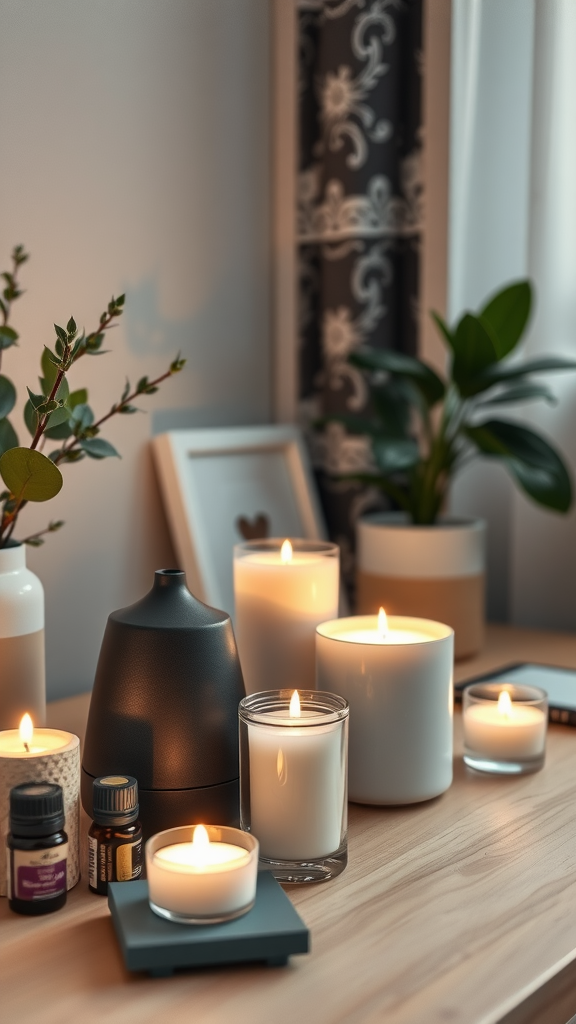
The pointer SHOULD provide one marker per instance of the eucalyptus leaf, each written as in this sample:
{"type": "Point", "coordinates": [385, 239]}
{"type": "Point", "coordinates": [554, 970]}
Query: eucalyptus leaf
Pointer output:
{"type": "Point", "coordinates": [7, 397]}
{"type": "Point", "coordinates": [8, 337]}
{"type": "Point", "coordinates": [98, 448]}
{"type": "Point", "coordinates": [8, 436]}
{"type": "Point", "coordinates": [29, 475]}
{"type": "Point", "coordinates": [30, 418]}
{"type": "Point", "coordinates": [79, 397]}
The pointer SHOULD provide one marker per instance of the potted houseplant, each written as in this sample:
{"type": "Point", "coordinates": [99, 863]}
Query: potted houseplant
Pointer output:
{"type": "Point", "coordinates": [62, 429]}
{"type": "Point", "coordinates": [423, 430]}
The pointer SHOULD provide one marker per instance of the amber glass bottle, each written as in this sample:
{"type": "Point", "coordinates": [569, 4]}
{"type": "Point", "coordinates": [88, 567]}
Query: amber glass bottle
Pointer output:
{"type": "Point", "coordinates": [115, 837]}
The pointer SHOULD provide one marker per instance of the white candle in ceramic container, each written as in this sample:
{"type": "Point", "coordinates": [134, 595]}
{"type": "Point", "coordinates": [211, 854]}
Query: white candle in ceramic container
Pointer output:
{"type": "Point", "coordinates": [504, 729]}
{"type": "Point", "coordinates": [282, 592]}
{"type": "Point", "coordinates": [297, 785]}
{"type": "Point", "coordinates": [196, 878]}
{"type": "Point", "coordinates": [41, 755]}
{"type": "Point", "coordinates": [397, 677]}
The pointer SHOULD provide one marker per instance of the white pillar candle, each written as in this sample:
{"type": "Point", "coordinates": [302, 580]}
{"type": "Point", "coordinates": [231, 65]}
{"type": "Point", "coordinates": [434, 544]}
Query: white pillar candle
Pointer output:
{"type": "Point", "coordinates": [41, 755]}
{"type": "Point", "coordinates": [398, 680]}
{"type": "Point", "coordinates": [282, 591]}
{"type": "Point", "coordinates": [297, 775]}
{"type": "Point", "coordinates": [504, 729]}
{"type": "Point", "coordinates": [199, 873]}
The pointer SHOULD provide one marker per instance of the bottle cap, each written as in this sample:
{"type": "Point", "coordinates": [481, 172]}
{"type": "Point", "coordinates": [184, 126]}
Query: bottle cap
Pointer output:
{"type": "Point", "coordinates": [36, 809]}
{"type": "Point", "coordinates": [115, 800]}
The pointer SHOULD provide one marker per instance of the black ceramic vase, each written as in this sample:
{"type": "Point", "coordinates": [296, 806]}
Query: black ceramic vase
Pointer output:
{"type": "Point", "coordinates": [164, 708]}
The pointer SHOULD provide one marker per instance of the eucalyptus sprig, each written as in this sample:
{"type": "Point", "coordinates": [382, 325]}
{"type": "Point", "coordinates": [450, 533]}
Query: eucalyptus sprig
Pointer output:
{"type": "Point", "coordinates": [54, 413]}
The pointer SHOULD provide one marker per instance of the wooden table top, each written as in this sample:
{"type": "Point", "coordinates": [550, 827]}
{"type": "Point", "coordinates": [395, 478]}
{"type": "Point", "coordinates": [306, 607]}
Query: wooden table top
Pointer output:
{"type": "Point", "coordinates": [455, 911]}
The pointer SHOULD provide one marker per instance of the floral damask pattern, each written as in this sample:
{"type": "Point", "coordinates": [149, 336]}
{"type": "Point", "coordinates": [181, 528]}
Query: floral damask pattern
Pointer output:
{"type": "Point", "coordinates": [359, 221]}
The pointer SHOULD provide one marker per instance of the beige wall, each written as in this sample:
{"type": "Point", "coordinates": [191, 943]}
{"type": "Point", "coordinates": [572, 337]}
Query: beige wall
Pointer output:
{"type": "Point", "coordinates": [135, 156]}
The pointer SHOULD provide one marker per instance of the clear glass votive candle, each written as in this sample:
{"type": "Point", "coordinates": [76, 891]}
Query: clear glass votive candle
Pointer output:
{"type": "Point", "coordinates": [283, 589]}
{"type": "Point", "coordinates": [202, 874]}
{"type": "Point", "coordinates": [293, 781]}
{"type": "Point", "coordinates": [504, 727]}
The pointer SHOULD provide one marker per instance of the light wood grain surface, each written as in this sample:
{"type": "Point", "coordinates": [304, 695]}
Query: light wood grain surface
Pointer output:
{"type": "Point", "coordinates": [457, 911]}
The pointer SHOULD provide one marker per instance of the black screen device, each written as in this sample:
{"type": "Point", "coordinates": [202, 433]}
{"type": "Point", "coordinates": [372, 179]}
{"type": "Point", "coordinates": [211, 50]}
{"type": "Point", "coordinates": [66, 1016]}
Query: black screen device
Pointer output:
{"type": "Point", "coordinates": [559, 683]}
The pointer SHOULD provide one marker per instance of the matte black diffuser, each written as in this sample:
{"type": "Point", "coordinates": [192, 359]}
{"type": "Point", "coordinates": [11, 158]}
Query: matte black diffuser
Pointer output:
{"type": "Point", "coordinates": [164, 708]}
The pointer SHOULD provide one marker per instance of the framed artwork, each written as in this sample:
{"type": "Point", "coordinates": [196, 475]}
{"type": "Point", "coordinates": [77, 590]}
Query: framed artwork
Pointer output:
{"type": "Point", "coordinates": [226, 485]}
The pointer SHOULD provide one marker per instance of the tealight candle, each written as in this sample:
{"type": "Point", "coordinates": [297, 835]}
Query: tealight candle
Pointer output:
{"type": "Point", "coordinates": [504, 727]}
{"type": "Point", "coordinates": [397, 676]}
{"type": "Point", "coordinates": [293, 772]}
{"type": "Point", "coordinates": [41, 755]}
{"type": "Point", "coordinates": [282, 591]}
{"type": "Point", "coordinates": [201, 874]}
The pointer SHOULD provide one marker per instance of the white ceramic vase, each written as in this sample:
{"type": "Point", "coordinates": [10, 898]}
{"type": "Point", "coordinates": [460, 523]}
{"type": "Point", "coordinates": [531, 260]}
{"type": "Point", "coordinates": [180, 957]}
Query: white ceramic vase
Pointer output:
{"type": "Point", "coordinates": [22, 657]}
{"type": "Point", "coordinates": [432, 572]}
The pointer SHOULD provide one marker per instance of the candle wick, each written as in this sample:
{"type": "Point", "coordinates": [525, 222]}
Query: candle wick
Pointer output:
{"type": "Point", "coordinates": [26, 747]}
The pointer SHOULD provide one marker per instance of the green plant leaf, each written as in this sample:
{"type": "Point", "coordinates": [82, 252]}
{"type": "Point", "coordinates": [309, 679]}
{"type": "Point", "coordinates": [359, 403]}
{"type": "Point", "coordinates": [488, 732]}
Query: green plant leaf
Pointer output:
{"type": "Point", "coordinates": [81, 418]}
{"type": "Point", "coordinates": [29, 475]}
{"type": "Point", "coordinates": [506, 315]}
{"type": "Point", "coordinates": [79, 397]}
{"type": "Point", "coordinates": [98, 448]}
{"type": "Point", "coordinates": [393, 456]}
{"type": "Point", "coordinates": [444, 329]}
{"type": "Point", "coordinates": [61, 334]}
{"type": "Point", "coordinates": [502, 374]}
{"type": "Point", "coordinates": [474, 352]}
{"type": "Point", "coordinates": [7, 397]}
{"type": "Point", "coordinates": [388, 361]}
{"type": "Point", "coordinates": [60, 431]}
{"type": "Point", "coordinates": [37, 400]}
{"type": "Point", "coordinates": [8, 337]}
{"type": "Point", "coordinates": [538, 468]}
{"type": "Point", "coordinates": [521, 392]}
{"type": "Point", "coordinates": [30, 418]}
{"type": "Point", "coordinates": [8, 436]}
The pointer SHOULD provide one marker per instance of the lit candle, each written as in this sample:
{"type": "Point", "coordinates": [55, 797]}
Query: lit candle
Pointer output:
{"type": "Point", "coordinates": [41, 755]}
{"type": "Point", "coordinates": [295, 774]}
{"type": "Point", "coordinates": [201, 874]}
{"type": "Point", "coordinates": [505, 725]}
{"type": "Point", "coordinates": [282, 591]}
{"type": "Point", "coordinates": [397, 676]}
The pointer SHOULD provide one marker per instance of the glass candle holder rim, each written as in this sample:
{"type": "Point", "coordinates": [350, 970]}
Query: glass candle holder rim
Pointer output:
{"type": "Point", "coordinates": [357, 623]}
{"type": "Point", "coordinates": [216, 834]}
{"type": "Point", "coordinates": [331, 708]}
{"type": "Point", "coordinates": [273, 545]}
{"type": "Point", "coordinates": [487, 693]}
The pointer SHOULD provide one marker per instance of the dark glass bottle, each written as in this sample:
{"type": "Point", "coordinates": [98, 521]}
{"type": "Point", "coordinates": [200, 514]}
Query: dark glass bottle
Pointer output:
{"type": "Point", "coordinates": [115, 837]}
{"type": "Point", "coordinates": [37, 849]}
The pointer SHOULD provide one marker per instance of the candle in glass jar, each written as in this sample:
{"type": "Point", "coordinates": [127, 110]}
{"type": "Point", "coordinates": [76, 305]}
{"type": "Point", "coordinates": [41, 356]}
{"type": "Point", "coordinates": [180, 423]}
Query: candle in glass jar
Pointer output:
{"type": "Point", "coordinates": [505, 729]}
{"type": "Point", "coordinates": [282, 591]}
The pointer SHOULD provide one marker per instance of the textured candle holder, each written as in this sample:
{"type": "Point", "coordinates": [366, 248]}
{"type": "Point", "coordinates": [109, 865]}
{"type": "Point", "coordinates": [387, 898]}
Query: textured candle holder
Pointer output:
{"type": "Point", "coordinates": [271, 932]}
{"type": "Point", "coordinates": [164, 708]}
{"type": "Point", "coordinates": [504, 743]}
{"type": "Point", "coordinates": [60, 766]}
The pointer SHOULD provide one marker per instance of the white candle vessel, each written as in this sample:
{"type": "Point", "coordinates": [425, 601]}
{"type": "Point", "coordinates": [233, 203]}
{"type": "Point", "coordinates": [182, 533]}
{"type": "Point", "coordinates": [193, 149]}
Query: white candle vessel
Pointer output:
{"type": "Point", "coordinates": [397, 676]}
{"type": "Point", "coordinates": [504, 727]}
{"type": "Point", "coordinates": [201, 874]}
{"type": "Point", "coordinates": [282, 590]}
{"type": "Point", "coordinates": [293, 774]}
{"type": "Point", "coordinates": [41, 755]}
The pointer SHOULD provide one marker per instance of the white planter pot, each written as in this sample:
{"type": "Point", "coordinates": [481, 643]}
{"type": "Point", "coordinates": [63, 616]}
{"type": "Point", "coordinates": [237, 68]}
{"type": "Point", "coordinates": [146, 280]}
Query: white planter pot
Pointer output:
{"type": "Point", "coordinates": [432, 572]}
{"type": "Point", "coordinates": [22, 658]}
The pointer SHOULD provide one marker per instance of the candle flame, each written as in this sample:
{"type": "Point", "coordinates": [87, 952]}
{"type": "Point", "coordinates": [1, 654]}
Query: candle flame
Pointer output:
{"type": "Point", "coordinates": [200, 846]}
{"type": "Point", "coordinates": [26, 731]}
{"type": "Point", "coordinates": [295, 705]}
{"type": "Point", "coordinates": [504, 703]}
{"type": "Point", "coordinates": [382, 623]}
{"type": "Point", "coordinates": [286, 551]}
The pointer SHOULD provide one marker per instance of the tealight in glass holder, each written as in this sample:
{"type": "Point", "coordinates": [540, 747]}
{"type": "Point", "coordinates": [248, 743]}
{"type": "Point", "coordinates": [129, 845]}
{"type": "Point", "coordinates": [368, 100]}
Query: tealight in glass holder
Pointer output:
{"type": "Point", "coordinates": [504, 727]}
{"type": "Point", "coordinates": [293, 781]}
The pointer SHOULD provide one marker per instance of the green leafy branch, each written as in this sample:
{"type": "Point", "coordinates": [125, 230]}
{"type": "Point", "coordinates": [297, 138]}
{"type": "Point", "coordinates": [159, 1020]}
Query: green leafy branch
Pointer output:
{"type": "Point", "coordinates": [424, 429]}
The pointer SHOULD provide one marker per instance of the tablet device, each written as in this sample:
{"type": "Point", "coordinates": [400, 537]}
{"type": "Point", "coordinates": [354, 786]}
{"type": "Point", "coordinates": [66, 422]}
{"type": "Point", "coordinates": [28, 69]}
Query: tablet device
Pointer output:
{"type": "Point", "coordinates": [559, 683]}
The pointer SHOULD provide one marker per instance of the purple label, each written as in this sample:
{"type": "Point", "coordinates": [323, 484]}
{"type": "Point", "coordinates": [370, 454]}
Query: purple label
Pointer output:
{"type": "Point", "coordinates": [42, 882]}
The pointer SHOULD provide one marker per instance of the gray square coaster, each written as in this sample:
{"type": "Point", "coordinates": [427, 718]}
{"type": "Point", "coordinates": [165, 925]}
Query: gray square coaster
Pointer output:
{"type": "Point", "coordinates": [272, 931]}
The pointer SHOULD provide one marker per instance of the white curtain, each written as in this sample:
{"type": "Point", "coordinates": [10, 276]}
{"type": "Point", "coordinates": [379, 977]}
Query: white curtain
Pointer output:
{"type": "Point", "coordinates": [513, 214]}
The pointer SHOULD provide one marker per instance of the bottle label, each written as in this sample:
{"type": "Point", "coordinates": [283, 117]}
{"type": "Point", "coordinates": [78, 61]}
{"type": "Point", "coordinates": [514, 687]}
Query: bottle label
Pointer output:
{"type": "Point", "coordinates": [129, 861]}
{"type": "Point", "coordinates": [113, 862]}
{"type": "Point", "coordinates": [92, 861]}
{"type": "Point", "coordinates": [38, 874]}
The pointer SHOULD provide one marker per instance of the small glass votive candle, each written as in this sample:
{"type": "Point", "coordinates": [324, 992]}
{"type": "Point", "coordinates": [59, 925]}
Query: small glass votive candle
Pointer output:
{"type": "Point", "coordinates": [202, 874]}
{"type": "Point", "coordinates": [293, 781]}
{"type": "Point", "coordinates": [504, 727]}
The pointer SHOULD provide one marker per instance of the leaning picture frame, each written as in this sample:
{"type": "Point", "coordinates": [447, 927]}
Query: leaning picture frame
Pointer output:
{"type": "Point", "coordinates": [224, 485]}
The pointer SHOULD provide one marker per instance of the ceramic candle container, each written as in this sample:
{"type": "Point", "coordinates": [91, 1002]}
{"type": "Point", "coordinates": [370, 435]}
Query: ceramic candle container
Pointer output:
{"type": "Point", "coordinates": [293, 775]}
{"type": "Point", "coordinates": [504, 727]}
{"type": "Point", "coordinates": [41, 755]}
{"type": "Point", "coordinates": [397, 677]}
{"type": "Point", "coordinates": [201, 874]}
{"type": "Point", "coordinates": [282, 590]}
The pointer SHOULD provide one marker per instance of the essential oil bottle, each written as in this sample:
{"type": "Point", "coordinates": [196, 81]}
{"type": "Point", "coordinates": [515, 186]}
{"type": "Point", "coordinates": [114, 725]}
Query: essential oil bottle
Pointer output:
{"type": "Point", "coordinates": [37, 849]}
{"type": "Point", "coordinates": [115, 837]}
